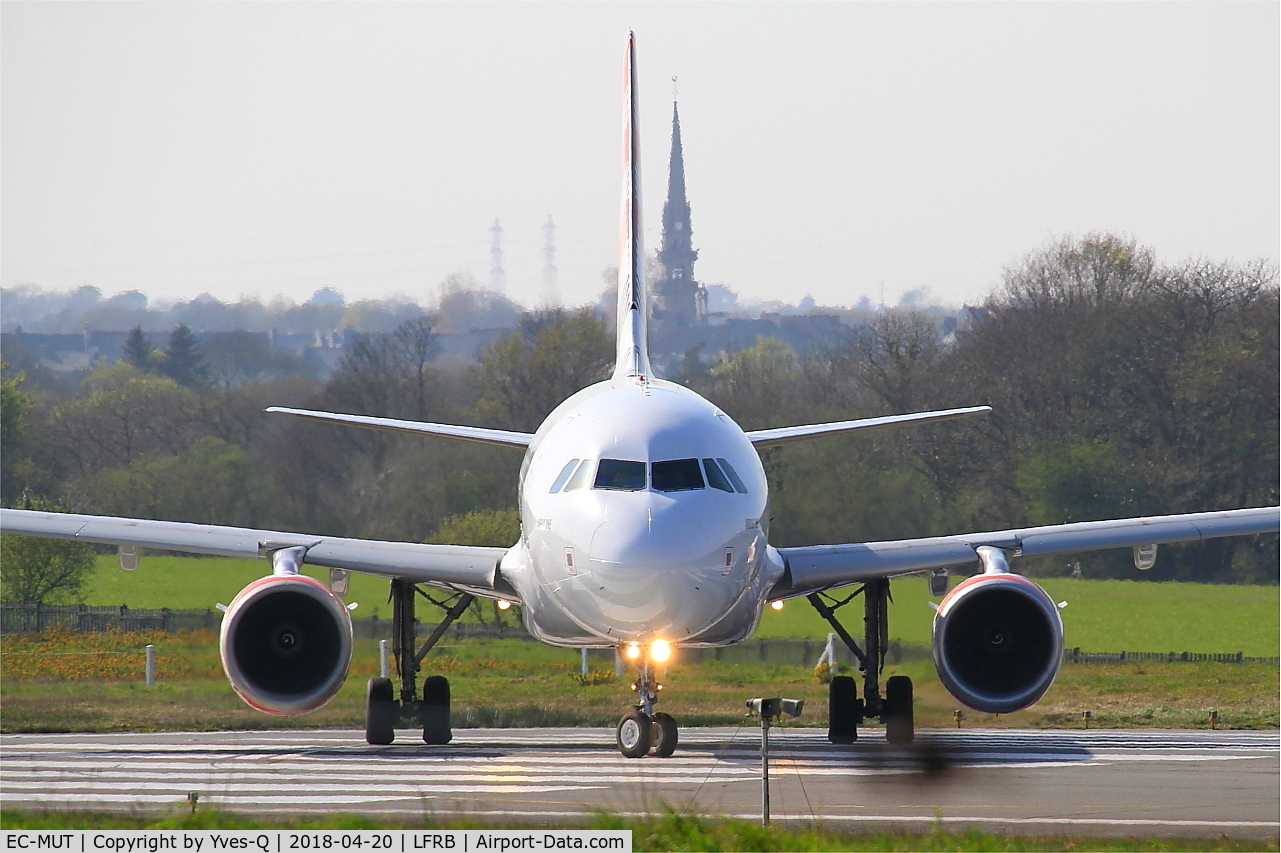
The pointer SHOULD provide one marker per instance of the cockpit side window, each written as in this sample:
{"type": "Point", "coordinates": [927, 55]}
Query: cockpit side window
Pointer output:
{"type": "Point", "coordinates": [621, 475]}
{"type": "Point", "coordinates": [581, 477]}
{"type": "Point", "coordinates": [733, 476]}
{"type": "Point", "coordinates": [563, 476]}
{"type": "Point", "coordinates": [715, 477]}
{"type": "Point", "coordinates": [676, 475]}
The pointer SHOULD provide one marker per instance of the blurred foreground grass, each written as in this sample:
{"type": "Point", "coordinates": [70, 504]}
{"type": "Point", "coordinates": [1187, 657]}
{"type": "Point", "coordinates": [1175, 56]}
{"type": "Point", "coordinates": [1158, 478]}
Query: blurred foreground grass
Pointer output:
{"type": "Point", "coordinates": [667, 831]}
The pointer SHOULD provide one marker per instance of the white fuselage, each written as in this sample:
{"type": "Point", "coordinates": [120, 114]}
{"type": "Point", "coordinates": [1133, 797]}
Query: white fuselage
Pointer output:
{"type": "Point", "coordinates": [658, 531]}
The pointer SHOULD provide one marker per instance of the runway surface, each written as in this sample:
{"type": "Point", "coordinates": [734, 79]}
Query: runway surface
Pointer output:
{"type": "Point", "coordinates": [1112, 783]}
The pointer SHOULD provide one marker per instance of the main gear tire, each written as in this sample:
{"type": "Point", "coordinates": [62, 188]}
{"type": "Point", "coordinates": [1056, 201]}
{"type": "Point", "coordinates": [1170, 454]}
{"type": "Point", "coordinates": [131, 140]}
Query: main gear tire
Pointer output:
{"type": "Point", "coordinates": [844, 711]}
{"type": "Point", "coordinates": [897, 715]}
{"type": "Point", "coordinates": [434, 710]}
{"type": "Point", "coordinates": [380, 712]}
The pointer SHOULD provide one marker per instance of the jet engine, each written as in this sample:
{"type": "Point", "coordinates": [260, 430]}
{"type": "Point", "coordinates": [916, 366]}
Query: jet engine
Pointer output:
{"type": "Point", "coordinates": [998, 642]}
{"type": "Point", "coordinates": [286, 643]}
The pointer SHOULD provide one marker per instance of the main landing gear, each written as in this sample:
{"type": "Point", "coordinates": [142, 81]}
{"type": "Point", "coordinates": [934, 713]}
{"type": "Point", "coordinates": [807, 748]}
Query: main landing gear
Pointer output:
{"type": "Point", "coordinates": [845, 710]}
{"type": "Point", "coordinates": [430, 710]}
{"type": "Point", "coordinates": [642, 732]}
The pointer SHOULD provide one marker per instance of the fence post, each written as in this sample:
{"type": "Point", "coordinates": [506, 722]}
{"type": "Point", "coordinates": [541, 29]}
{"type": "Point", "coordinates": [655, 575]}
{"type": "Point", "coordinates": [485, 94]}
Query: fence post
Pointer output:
{"type": "Point", "coordinates": [151, 665]}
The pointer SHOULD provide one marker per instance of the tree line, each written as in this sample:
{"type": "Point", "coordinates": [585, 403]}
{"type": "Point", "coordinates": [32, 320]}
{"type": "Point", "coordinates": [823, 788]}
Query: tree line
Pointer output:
{"type": "Point", "coordinates": [1120, 387]}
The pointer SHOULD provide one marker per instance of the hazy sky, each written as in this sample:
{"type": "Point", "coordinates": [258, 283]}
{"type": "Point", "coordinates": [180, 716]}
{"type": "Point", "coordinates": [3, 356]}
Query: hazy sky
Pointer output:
{"type": "Point", "coordinates": [836, 149]}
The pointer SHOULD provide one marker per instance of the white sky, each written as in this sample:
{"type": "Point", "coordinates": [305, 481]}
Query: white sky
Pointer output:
{"type": "Point", "coordinates": [837, 149]}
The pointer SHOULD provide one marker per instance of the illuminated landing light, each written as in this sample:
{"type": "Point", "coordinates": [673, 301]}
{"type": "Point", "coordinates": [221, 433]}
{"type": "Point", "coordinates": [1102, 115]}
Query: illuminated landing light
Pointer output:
{"type": "Point", "coordinates": [660, 651]}
{"type": "Point", "coordinates": [777, 605]}
{"type": "Point", "coordinates": [633, 650]}
{"type": "Point", "coordinates": [504, 605]}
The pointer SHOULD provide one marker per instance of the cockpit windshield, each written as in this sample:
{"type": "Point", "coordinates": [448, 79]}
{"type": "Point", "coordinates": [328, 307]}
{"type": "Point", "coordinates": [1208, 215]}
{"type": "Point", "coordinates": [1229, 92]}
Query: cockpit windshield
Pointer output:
{"type": "Point", "coordinates": [621, 475]}
{"type": "Point", "coordinates": [677, 475]}
{"type": "Point", "coordinates": [671, 475]}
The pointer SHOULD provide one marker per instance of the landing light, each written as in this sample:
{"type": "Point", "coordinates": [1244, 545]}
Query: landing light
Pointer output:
{"type": "Point", "coordinates": [660, 651]}
{"type": "Point", "coordinates": [633, 650]}
{"type": "Point", "coordinates": [777, 605]}
{"type": "Point", "coordinates": [504, 605]}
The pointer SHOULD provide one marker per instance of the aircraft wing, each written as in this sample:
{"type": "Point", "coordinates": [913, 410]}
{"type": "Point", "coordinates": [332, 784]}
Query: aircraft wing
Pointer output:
{"type": "Point", "coordinates": [816, 567]}
{"type": "Point", "coordinates": [784, 435]}
{"type": "Point", "coordinates": [472, 568]}
{"type": "Point", "coordinates": [498, 437]}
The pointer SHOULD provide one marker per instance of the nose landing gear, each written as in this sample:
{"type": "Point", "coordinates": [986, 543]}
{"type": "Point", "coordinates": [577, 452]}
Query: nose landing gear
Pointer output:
{"type": "Point", "coordinates": [641, 731]}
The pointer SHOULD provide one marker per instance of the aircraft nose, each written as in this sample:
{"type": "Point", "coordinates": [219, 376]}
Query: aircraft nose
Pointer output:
{"type": "Point", "coordinates": [657, 535]}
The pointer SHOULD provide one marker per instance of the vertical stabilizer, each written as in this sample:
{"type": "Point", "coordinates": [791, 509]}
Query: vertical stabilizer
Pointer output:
{"type": "Point", "coordinates": [633, 343]}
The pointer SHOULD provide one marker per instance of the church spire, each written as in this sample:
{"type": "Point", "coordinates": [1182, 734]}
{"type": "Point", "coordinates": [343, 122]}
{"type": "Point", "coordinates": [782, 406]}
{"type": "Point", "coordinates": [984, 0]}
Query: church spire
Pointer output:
{"type": "Point", "coordinates": [677, 293]}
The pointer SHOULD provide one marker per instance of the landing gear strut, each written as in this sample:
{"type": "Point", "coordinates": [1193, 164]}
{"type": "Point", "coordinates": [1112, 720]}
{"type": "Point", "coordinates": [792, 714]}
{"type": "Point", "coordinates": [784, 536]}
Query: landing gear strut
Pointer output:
{"type": "Point", "coordinates": [845, 710]}
{"type": "Point", "coordinates": [641, 731]}
{"type": "Point", "coordinates": [431, 709]}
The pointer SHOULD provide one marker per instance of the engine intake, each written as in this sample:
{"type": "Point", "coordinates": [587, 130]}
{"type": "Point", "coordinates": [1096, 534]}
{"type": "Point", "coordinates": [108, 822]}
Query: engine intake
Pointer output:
{"type": "Point", "coordinates": [286, 644]}
{"type": "Point", "coordinates": [998, 642]}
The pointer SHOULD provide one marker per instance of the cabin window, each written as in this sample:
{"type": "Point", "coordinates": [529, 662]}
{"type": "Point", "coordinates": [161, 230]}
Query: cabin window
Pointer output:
{"type": "Point", "coordinates": [620, 475]}
{"type": "Point", "coordinates": [676, 475]}
{"type": "Point", "coordinates": [580, 478]}
{"type": "Point", "coordinates": [716, 478]}
{"type": "Point", "coordinates": [733, 476]}
{"type": "Point", "coordinates": [563, 476]}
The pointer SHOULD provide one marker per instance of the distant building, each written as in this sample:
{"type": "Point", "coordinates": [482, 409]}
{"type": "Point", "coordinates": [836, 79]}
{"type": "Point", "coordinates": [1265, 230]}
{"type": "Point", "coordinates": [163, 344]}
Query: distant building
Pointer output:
{"type": "Point", "coordinates": [679, 300]}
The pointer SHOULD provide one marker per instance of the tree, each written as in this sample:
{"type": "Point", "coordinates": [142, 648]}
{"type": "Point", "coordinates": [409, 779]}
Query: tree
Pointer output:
{"type": "Point", "coordinates": [15, 408]}
{"type": "Point", "coordinates": [524, 375]}
{"type": "Point", "coordinates": [235, 359]}
{"type": "Point", "coordinates": [183, 361]}
{"type": "Point", "coordinates": [1120, 387]}
{"type": "Point", "coordinates": [757, 386]}
{"type": "Point", "coordinates": [494, 528]}
{"type": "Point", "coordinates": [38, 570]}
{"type": "Point", "coordinates": [120, 415]}
{"type": "Point", "coordinates": [141, 352]}
{"type": "Point", "coordinates": [210, 482]}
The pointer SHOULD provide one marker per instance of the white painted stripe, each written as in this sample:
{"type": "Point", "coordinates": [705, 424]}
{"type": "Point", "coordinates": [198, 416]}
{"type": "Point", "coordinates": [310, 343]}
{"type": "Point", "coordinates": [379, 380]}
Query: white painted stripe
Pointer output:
{"type": "Point", "coordinates": [149, 770]}
{"type": "Point", "coordinates": [365, 784]}
{"type": "Point", "coordinates": [306, 797]}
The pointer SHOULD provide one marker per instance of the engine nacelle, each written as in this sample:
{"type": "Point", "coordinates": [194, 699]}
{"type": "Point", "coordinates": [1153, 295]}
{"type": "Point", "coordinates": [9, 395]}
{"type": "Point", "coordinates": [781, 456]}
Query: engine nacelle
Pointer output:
{"type": "Point", "coordinates": [998, 642]}
{"type": "Point", "coordinates": [286, 644]}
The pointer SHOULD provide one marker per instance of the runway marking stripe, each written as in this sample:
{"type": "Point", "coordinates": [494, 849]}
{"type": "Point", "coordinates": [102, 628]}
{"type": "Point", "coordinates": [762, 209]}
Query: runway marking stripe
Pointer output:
{"type": "Point", "coordinates": [304, 788]}
{"type": "Point", "coordinates": [674, 776]}
{"type": "Point", "coordinates": [106, 771]}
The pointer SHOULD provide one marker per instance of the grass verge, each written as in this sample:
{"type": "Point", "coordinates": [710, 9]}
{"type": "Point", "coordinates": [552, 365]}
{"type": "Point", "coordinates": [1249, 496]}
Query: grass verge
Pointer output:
{"type": "Point", "coordinates": [93, 682]}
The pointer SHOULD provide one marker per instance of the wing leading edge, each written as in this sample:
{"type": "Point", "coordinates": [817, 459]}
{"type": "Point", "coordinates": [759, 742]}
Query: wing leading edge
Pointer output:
{"type": "Point", "coordinates": [812, 568]}
{"type": "Point", "coordinates": [481, 435]}
{"type": "Point", "coordinates": [461, 566]}
{"type": "Point", "coordinates": [785, 435]}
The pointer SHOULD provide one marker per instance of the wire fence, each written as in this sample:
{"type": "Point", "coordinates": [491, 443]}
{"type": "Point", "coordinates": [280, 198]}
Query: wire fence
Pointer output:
{"type": "Point", "coordinates": [35, 618]}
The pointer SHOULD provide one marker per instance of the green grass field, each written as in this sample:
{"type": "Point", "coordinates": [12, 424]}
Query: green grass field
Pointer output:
{"type": "Point", "coordinates": [65, 681]}
{"type": "Point", "coordinates": [1102, 616]}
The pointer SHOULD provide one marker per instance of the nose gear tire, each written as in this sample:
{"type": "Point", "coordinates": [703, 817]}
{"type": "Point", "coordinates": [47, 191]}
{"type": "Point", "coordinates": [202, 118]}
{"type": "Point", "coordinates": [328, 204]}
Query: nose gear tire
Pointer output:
{"type": "Point", "coordinates": [633, 734]}
{"type": "Point", "coordinates": [663, 734]}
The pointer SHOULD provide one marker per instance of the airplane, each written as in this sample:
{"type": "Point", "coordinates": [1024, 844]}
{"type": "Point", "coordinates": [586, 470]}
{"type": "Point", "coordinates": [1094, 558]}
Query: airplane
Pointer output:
{"type": "Point", "coordinates": [644, 528]}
